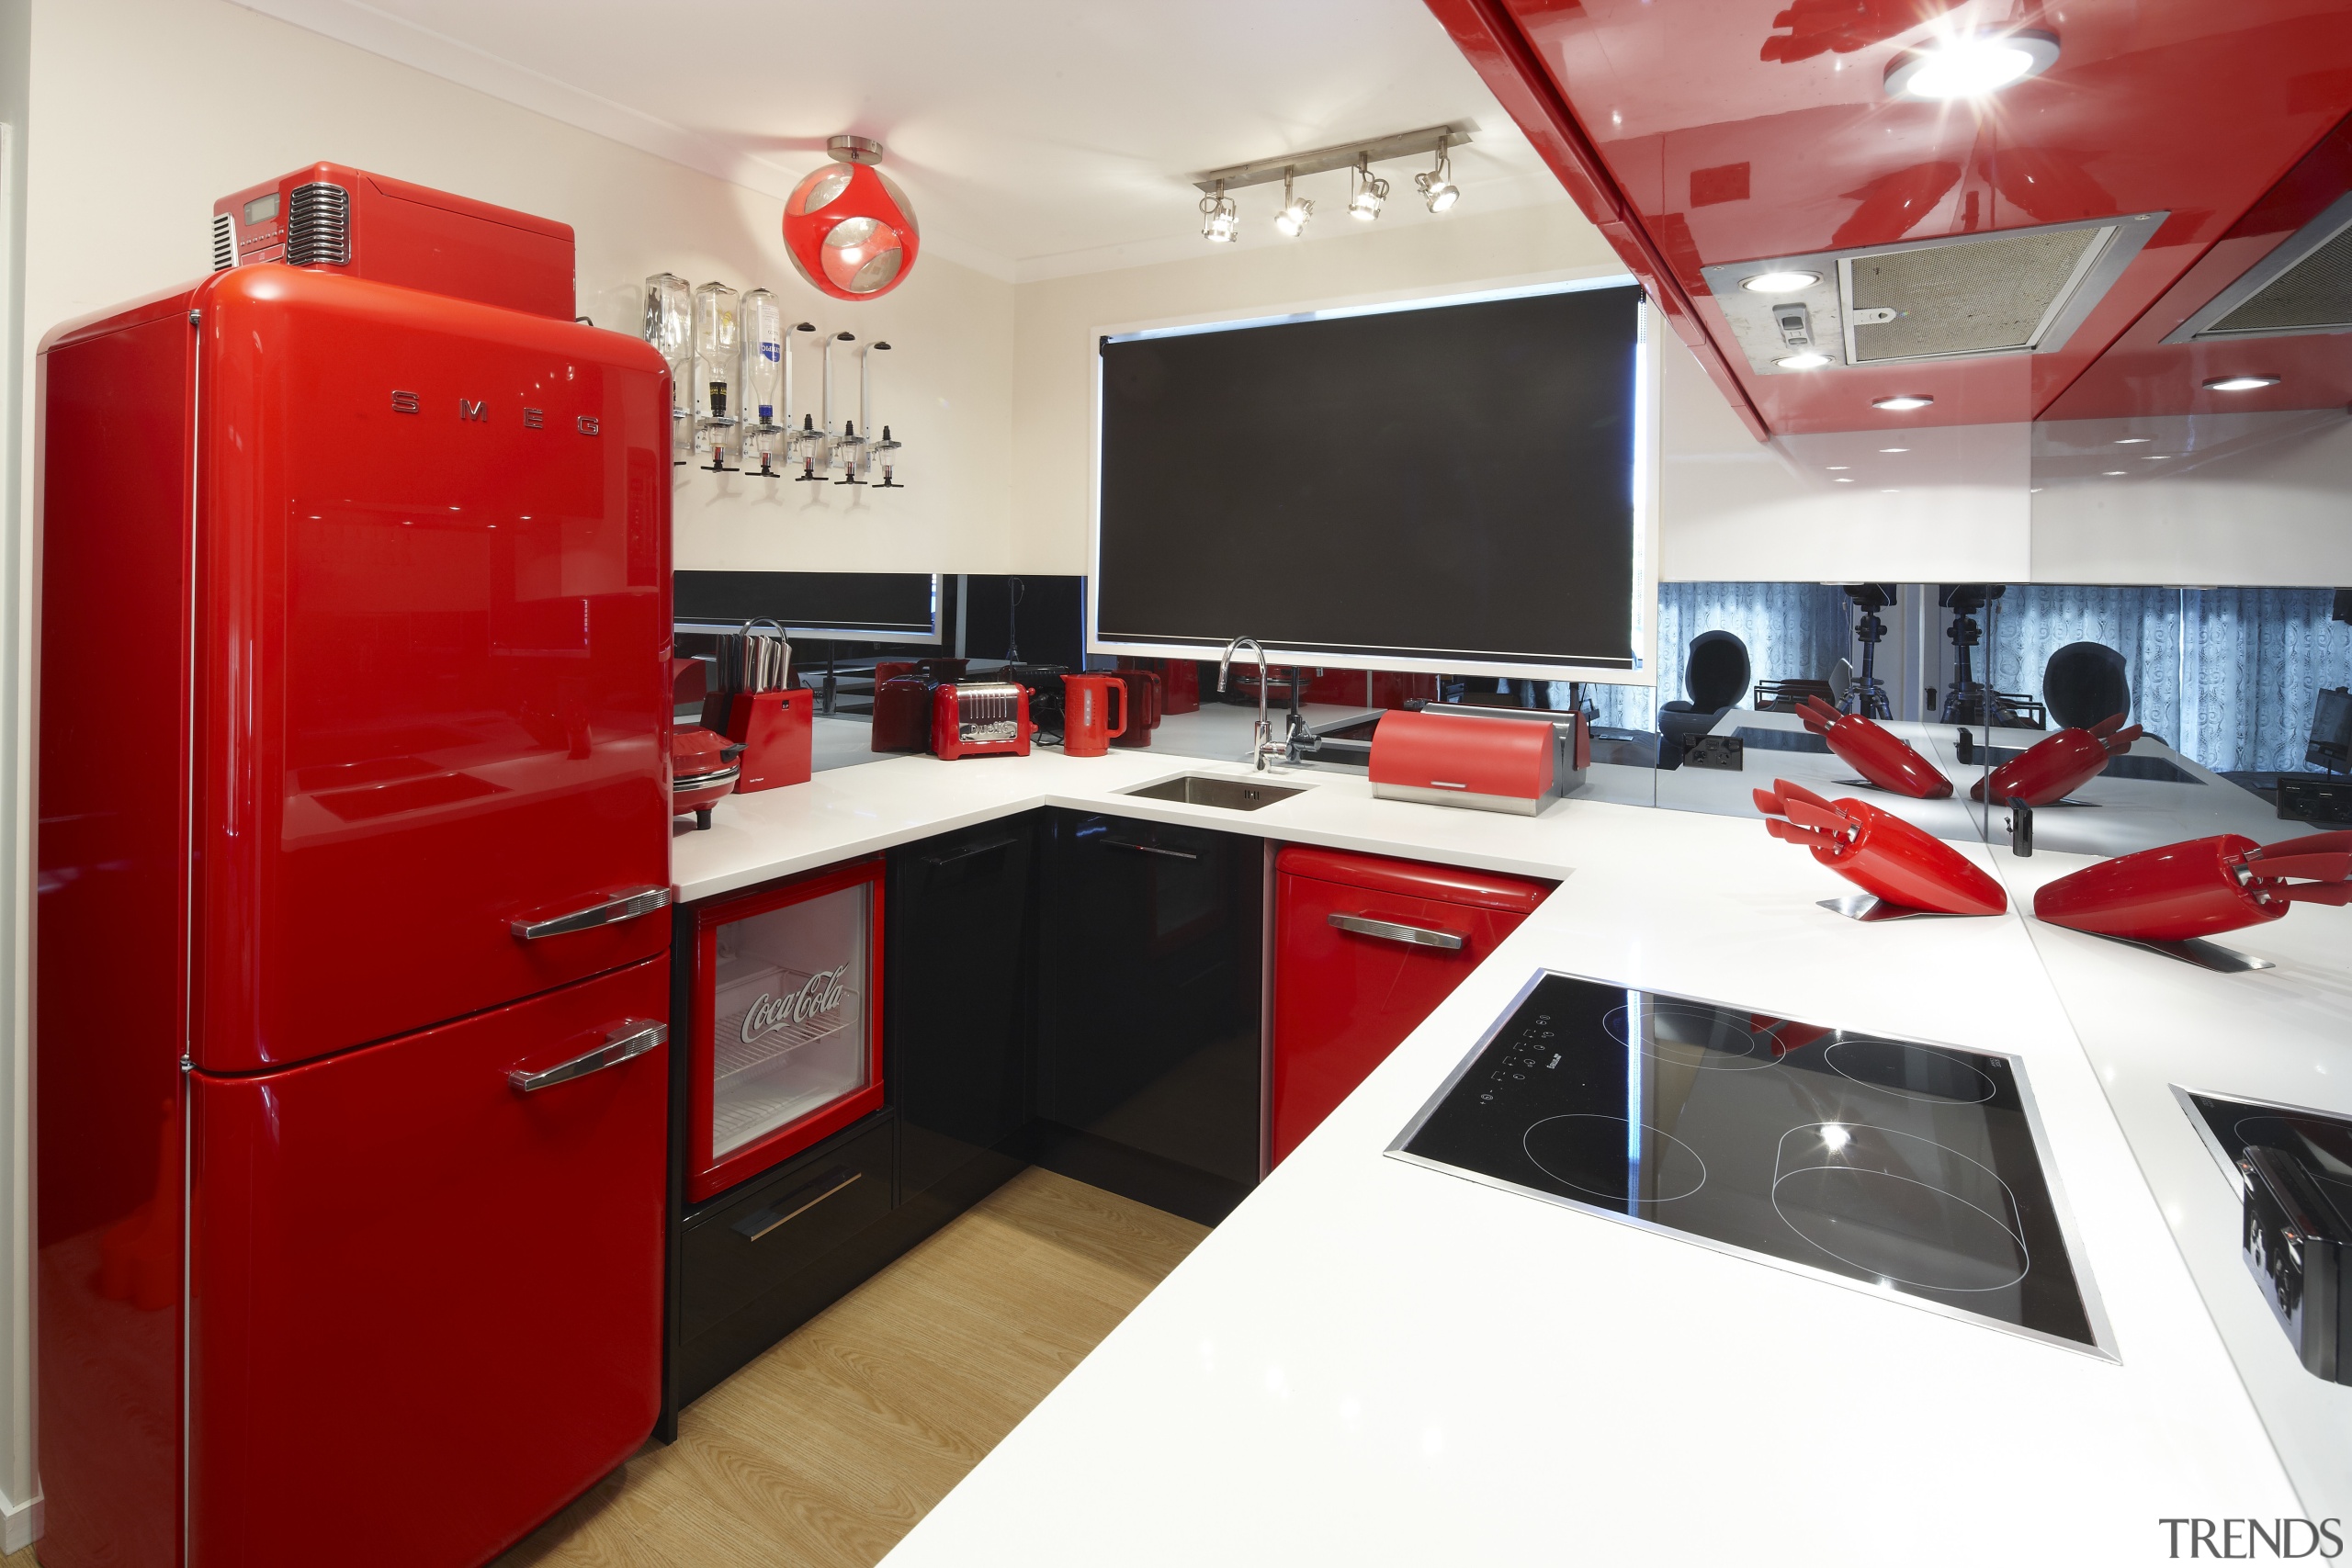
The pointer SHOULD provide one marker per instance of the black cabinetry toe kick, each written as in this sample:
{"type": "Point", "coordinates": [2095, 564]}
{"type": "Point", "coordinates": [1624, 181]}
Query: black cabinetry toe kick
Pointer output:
{"type": "Point", "coordinates": [1051, 997]}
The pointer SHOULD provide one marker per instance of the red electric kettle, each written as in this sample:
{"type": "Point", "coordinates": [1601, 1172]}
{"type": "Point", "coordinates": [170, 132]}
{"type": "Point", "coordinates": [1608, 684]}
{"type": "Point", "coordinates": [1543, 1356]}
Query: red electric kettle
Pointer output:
{"type": "Point", "coordinates": [1085, 707]}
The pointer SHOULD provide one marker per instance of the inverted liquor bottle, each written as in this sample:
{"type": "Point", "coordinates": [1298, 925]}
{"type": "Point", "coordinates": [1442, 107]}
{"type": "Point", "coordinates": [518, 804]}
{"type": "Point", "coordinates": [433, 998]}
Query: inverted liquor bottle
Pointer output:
{"type": "Point", "coordinates": [717, 368]}
{"type": "Point", "coordinates": [668, 327]}
{"type": "Point", "coordinates": [761, 323]}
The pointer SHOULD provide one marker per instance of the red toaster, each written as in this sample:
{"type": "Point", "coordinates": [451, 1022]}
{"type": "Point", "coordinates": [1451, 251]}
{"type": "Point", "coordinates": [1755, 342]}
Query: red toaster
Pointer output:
{"type": "Point", "coordinates": [987, 718]}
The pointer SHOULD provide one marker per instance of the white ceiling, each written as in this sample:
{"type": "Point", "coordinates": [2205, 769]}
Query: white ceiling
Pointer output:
{"type": "Point", "coordinates": [1035, 138]}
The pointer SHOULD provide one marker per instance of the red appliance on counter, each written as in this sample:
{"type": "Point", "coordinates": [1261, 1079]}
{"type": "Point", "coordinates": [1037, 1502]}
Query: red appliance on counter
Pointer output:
{"type": "Point", "coordinates": [785, 1021]}
{"type": "Point", "coordinates": [351, 1113]}
{"type": "Point", "coordinates": [980, 718]}
{"type": "Point", "coordinates": [362, 225]}
{"type": "Point", "coordinates": [1364, 948]}
{"type": "Point", "coordinates": [1147, 689]}
{"type": "Point", "coordinates": [776, 730]}
{"type": "Point", "coordinates": [1490, 764]}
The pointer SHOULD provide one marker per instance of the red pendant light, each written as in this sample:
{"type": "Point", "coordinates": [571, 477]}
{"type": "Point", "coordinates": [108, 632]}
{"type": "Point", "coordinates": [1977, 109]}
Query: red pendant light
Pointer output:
{"type": "Point", "coordinates": [848, 225]}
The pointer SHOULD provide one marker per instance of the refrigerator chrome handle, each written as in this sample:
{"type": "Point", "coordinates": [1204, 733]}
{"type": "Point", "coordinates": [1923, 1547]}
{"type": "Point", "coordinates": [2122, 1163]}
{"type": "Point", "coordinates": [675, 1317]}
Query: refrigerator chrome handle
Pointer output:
{"type": "Point", "coordinates": [634, 1038]}
{"type": "Point", "coordinates": [628, 907]}
{"type": "Point", "coordinates": [1148, 849]}
{"type": "Point", "coordinates": [1388, 931]}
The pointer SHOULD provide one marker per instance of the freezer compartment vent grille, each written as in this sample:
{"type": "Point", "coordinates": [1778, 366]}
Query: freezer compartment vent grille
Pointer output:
{"type": "Point", "coordinates": [224, 241]}
{"type": "Point", "coordinates": [318, 227]}
{"type": "Point", "coordinates": [1989, 296]}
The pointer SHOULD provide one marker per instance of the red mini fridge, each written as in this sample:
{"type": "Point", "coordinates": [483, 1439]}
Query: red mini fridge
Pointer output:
{"type": "Point", "coordinates": [785, 1014]}
{"type": "Point", "coordinates": [1365, 948]}
{"type": "Point", "coordinates": [351, 922]}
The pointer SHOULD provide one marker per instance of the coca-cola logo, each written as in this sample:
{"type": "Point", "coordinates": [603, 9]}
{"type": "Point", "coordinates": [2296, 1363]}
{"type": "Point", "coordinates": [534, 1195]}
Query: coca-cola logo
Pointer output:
{"type": "Point", "coordinates": [822, 995]}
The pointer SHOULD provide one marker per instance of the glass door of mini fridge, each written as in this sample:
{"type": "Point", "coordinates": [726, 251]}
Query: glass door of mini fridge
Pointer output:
{"type": "Point", "coordinates": [787, 1022]}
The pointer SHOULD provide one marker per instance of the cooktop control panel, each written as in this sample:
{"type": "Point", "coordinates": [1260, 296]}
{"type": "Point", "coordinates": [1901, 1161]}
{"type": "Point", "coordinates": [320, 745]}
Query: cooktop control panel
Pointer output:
{"type": "Point", "coordinates": [1892, 1165]}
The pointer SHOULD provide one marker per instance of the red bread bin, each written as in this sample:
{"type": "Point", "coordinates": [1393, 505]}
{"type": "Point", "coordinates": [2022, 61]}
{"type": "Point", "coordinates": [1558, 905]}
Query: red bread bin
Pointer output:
{"type": "Point", "coordinates": [775, 730]}
{"type": "Point", "coordinates": [1488, 764]}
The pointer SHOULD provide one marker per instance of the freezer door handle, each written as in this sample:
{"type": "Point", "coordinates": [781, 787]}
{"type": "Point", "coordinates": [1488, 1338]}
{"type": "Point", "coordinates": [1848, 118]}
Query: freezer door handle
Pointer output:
{"type": "Point", "coordinates": [634, 1038]}
{"type": "Point", "coordinates": [628, 907]}
{"type": "Point", "coordinates": [1388, 931]}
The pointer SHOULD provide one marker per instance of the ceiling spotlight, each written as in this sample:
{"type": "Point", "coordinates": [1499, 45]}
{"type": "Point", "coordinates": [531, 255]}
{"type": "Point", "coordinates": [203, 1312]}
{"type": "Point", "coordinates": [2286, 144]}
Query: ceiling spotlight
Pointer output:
{"type": "Point", "coordinates": [1366, 190]}
{"type": "Point", "coordinates": [2134, 440]}
{"type": "Point", "coordinates": [1903, 404]}
{"type": "Point", "coordinates": [1779, 282]}
{"type": "Point", "coordinates": [1969, 65]}
{"type": "Point", "coordinates": [1297, 210]}
{"type": "Point", "coordinates": [1436, 186]}
{"type": "Point", "coordinates": [1220, 219]}
{"type": "Point", "coordinates": [1804, 362]}
{"type": "Point", "coordinates": [2240, 383]}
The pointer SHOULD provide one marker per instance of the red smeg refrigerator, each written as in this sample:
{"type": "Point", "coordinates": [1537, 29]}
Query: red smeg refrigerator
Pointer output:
{"type": "Point", "coordinates": [352, 915]}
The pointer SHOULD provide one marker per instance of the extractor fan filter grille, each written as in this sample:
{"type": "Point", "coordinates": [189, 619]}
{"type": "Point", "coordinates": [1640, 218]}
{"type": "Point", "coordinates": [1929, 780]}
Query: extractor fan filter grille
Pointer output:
{"type": "Point", "coordinates": [2314, 294]}
{"type": "Point", "coordinates": [1986, 295]}
{"type": "Point", "coordinates": [2009, 291]}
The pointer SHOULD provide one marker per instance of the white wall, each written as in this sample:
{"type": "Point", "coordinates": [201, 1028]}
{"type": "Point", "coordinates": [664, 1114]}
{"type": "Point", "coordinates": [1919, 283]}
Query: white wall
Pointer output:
{"type": "Point", "coordinates": [19, 1493]}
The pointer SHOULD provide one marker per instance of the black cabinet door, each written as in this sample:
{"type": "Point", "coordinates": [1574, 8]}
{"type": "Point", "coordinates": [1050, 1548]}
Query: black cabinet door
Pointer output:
{"type": "Point", "coordinates": [1150, 963]}
{"type": "Point", "coordinates": [955, 1026]}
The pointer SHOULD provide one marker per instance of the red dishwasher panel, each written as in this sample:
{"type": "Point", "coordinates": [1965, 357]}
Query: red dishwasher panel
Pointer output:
{"type": "Point", "coordinates": [392, 1251]}
{"type": "Point", "coordinates": [1366, 947]}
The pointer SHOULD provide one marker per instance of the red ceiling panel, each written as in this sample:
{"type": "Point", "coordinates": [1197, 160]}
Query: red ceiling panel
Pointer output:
{"type": "Point", "coordinates": [1706, 131]}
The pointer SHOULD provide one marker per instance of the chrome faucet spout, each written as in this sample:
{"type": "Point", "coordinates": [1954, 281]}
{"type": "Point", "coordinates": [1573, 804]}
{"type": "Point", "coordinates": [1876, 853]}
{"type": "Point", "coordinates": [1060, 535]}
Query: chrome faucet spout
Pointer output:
{"type": "Point", "coordinates": [1262, 737]}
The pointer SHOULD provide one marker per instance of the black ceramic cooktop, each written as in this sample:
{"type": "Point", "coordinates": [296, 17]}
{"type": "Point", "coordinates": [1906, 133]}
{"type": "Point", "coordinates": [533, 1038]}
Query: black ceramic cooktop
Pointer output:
{"type": "Point", "coordinates": [1896, 1164]}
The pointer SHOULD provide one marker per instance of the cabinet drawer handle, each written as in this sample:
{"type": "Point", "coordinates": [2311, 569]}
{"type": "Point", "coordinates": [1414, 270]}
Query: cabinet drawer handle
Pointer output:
{"type": "Point", "coordinates": [631, 1039]}
{"type": "Point", "coordinates": [1388, 931]}
{"type": "Point", "coordinates": [1148, 849]}
{"type": "Point", "coordinates": [753, 1226]}
{"type": "Point", "coordinates": [627, 907]}
{"type": "Point", "coordinates": [968, 852]}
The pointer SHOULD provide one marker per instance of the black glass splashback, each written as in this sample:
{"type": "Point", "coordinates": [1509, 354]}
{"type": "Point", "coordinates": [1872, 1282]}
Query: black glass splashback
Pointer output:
{"type": "Point", "coordinates": [1898, 1164]}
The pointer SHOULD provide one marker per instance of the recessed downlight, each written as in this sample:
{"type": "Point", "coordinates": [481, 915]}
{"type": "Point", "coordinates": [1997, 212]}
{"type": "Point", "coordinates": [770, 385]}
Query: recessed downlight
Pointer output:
{"type": "Point", "coordinates": [1804, 362]}
{"type": "Point", "coordinates": [2112, 474]}
{"type": "Point", "coordinates": [2134, 440]}
{"type": "Point", "coordinates": [1894, 449]}
{"type": "Point", "coordinates": [1970, 64]}
{"type": "Point", "coordinates": [1840, 467]}
{"type": "Point", "coordinates": [1779, 282]}
{"type": "Point", "coordinates": [1904, 404]}
{"type": "Point", "coordinates": [2240, 383]}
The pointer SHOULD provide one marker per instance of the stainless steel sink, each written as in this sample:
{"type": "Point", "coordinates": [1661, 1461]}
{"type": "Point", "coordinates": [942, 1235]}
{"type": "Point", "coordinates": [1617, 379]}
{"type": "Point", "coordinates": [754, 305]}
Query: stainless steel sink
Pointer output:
{"type": "Point", "coordinates": [1214, 789]}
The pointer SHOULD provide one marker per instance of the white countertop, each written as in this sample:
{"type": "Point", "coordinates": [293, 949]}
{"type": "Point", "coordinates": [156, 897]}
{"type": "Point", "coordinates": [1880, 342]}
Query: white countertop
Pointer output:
{"type": "Point", "coordinates": [1371, 1361]}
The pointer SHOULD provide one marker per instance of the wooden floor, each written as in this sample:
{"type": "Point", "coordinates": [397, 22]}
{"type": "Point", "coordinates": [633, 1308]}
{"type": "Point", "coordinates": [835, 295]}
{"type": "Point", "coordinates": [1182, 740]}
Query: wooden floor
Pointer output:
{"type": "Point", "coordinates": [829, 1448]}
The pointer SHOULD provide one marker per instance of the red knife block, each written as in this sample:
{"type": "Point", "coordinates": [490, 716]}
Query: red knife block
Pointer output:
{"type": "Point", "coordinates": [775, 729]}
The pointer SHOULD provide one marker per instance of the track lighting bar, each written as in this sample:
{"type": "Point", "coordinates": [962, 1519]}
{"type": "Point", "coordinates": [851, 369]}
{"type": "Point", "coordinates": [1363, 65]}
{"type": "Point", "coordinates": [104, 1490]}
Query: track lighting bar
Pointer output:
{"type": "Point", "coordinates": [1378, 149]}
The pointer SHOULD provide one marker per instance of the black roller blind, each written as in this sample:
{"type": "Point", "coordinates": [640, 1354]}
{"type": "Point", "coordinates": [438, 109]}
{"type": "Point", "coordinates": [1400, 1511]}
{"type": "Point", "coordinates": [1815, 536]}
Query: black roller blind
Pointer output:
{"type": "Point", "coordinates": [1454, 482]}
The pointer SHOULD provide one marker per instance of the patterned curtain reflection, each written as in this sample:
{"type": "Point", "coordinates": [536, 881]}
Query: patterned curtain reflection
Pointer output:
{"type": "Point", "coordinates": [1794, 630]}
{"type": "Point", "coordinates": [2227, 675]}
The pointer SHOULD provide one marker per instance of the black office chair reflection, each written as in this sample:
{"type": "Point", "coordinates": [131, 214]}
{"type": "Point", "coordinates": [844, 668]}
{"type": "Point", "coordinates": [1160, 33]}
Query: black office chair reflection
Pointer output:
{"type": "Point", "coordinates": [2084, 682]}
{"type": "Point", "coordinates": [1715, 674]}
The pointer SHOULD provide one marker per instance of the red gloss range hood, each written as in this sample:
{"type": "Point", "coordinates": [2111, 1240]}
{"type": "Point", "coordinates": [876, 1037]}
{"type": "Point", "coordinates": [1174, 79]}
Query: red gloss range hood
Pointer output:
{"type": "Point", "coordinates": [2032, 254]}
